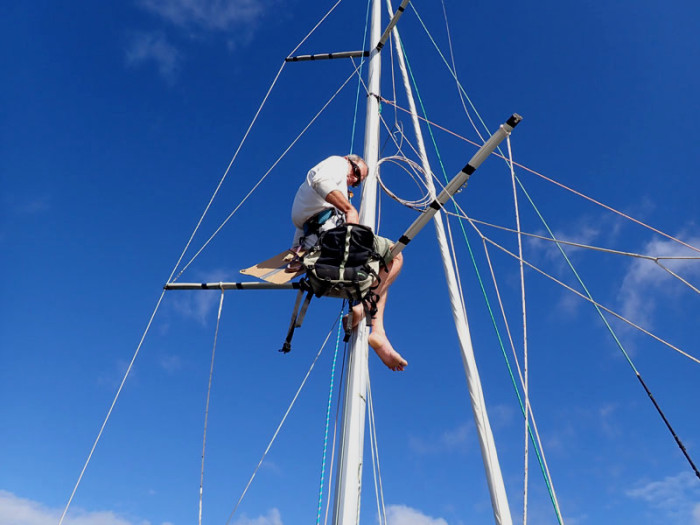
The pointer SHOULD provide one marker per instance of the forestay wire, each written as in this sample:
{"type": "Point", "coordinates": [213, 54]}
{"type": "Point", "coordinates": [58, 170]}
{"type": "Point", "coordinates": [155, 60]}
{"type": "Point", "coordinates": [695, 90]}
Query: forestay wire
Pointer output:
{"type": "Point", "coordinates": [235, 155]}
{"type": "Point", "coordinates": [274, 164]}
{"type": "Point", "coordinates": [175, 267]}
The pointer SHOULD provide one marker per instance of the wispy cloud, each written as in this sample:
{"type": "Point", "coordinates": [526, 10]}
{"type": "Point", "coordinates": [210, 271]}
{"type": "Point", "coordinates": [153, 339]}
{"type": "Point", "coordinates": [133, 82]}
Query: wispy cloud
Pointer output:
{"type": "Point", "coordinates": [154, 48]}
{"type": "Point", "coordinates": [272, 518]}
{"type": "Point", "coordinates": [585, 231]}
{"type": "Point", "coordinates": [199, 304]}
{"type": "Point", "coordinates": [15, 510]}
{"type": "Point", "coordinates": [645, 283]}
{"type": "Point", "coordinates": [448, 440]}
{"type": "Point", "coordinates": [210, 15]}
{"type": "Point", "coordinates": [403, 515]}
{"type": "Point", "coordinates": [171, 363]}
{"type": "Point", "coordinates": [677, 497]}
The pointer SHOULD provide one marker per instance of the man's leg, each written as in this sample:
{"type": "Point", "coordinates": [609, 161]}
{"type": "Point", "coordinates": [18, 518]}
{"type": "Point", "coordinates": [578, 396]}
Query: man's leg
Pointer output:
{"type": "Point", "coordinates": [378, 339]}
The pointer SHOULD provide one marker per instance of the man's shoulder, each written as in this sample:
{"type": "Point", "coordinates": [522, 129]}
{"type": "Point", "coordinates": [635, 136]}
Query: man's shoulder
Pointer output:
{"type": "Point", "coordinates": [332, 163]}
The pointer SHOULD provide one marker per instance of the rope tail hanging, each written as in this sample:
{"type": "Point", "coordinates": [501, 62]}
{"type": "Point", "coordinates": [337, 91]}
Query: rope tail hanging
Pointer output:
{"type": "Point", "coordinates": [206, 410]}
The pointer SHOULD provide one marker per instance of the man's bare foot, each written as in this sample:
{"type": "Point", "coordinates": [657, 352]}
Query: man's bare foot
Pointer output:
{"type": "Point", "coordinates": [390, 357]}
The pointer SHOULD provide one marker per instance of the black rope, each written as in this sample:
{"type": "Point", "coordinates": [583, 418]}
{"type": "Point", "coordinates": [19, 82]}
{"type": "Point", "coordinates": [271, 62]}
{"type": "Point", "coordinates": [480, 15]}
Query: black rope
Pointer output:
{"type": "Point", "coordinates": [673, 432]}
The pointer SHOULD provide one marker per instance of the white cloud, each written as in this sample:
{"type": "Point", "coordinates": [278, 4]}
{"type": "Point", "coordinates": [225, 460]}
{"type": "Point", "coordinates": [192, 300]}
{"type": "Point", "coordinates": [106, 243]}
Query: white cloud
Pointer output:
{"type": "Point", "coordinates": [154, 48]}
{"type": "Point", "coordinates": [645, 283]}
{"type": "Point", "coordinates": [200, 305]}
{"type": "Point", "coordinates": [448, 440]}
{"type": "Point", "coordinates": [273, 518]}
{"type": "Point", "coordinates": [584, 232]}
{"type": "Point", "coordinates": [678, 497]}
{"type": "Point", "coordinates": [171, 363]}
{"type": "Point", "coordinates": [403, 515]}
{"type": "Point", "coordinates": [15, 510]}
{"type": "Point", "coordinates": [217, 15]}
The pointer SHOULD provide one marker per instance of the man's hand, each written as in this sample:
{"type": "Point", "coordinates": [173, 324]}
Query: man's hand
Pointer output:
{"type": "Point", "coordinates": [338, 200]}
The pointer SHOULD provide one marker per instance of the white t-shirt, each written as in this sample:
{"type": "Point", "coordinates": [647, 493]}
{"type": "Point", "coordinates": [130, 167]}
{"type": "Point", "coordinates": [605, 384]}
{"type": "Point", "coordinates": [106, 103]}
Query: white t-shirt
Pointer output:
{"type": "Point", "coordinates": [325, 177]}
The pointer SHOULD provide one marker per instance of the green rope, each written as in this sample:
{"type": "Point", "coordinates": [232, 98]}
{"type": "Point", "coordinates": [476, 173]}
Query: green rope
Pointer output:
{"type": "Point", "coordinates": [571, 266]}
{"type": "Point", "coordinates": [485, 295]}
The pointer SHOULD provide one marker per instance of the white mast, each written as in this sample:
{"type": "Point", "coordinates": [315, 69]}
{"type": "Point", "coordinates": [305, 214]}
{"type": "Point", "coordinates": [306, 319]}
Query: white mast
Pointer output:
{"type": "Point", "coordinates": [499, 500]}
{"type": "Point", "coordinates": [348, 486]}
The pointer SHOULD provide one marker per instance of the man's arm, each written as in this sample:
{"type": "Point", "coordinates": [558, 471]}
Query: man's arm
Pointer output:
{"type": "Point", "coordinates": [338, 200]}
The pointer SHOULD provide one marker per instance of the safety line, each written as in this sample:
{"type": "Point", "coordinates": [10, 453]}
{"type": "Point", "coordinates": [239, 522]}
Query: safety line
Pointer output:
{"type": "Point", "coordinates": [206, 410]}
{"type": "Point", "coordinates": [328, 419]}
{"type": "Point", "coordinates": [335, 431]}
{"type": "Point", "coordinates": [284, 419]}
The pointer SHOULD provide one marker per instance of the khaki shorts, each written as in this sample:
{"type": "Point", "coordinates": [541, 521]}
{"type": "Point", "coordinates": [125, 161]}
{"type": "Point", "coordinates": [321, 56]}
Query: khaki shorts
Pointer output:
{"type": "Point", "coordinates": [382, 246]}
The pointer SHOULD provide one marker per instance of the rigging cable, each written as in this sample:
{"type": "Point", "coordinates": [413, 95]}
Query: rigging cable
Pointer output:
{"type": "Point", "coordinates": [473, 223]}
{"type": "Point", "coordinates": [550, 180]}
{"type": "Point", "coordinates": [255, 187]}
{"type": "Point", "coordinates": [540, 451]}
{"type": "Point", "coordinates": [600, 307]}
{"type": "Point", "coordinates": [359, 82]}
{"type": "Point", "coordinates": [284, 418]}
{"type": "Point", "coordinates": [238, 149]}
{"type": "Point", "coordinates": [654, 258]}
{"type": "Point", "coordinates": [111, 408]}
{"type": "Point", "coordinates": [526, 393]}
{"type": "Point", "coordinates": [206, 410]}
{"type": "Point", "coordinates": [376, 471]}
{"type": "Point", "coordinates": [335, 432]}
{"type": "Point", "coordinates": [500, 154]}
{"type": "Point", "coordinates": [175, 267]}
{"type": "Point", "coordinates": [619, 344]}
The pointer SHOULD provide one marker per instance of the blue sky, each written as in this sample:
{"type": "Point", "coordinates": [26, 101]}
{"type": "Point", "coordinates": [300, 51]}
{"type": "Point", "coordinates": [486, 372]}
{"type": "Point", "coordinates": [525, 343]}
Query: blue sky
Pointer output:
{"type": "Point", "coordinates": [119, 119]}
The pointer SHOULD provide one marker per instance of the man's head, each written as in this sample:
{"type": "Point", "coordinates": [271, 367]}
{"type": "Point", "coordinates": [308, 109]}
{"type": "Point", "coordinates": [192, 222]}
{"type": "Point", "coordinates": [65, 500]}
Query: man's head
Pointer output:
{"type": "Point", "coordinates": [357, 171]}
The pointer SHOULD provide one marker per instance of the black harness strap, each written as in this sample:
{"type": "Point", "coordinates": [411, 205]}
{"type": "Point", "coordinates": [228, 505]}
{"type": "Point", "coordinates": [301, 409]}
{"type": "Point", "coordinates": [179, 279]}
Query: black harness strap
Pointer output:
{"type": "Point", "coordinates": [297, 317]}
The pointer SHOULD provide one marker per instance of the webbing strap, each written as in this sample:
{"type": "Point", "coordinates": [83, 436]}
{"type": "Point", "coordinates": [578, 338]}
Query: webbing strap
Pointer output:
{"type": "Point", "coordinates": [304, 307]}
{"type": "Point", "coordinates": [287, 346]}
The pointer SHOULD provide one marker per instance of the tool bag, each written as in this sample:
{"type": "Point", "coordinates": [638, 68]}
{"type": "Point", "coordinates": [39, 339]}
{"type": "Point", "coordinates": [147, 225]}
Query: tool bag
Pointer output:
{"type": "Point", "coordinates": [343, 264]}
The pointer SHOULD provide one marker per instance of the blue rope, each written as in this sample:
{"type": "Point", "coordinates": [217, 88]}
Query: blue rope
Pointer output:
{"type": "Point", "coordinates": [328, 420]}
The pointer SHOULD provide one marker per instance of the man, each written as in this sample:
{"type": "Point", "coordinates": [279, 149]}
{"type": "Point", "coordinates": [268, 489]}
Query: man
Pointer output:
{"type": "Point", "coordinates": [322, 203]}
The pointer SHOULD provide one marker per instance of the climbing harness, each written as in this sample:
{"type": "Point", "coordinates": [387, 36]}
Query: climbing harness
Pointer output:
{"type": "Point", "coordinates": [344, 264]}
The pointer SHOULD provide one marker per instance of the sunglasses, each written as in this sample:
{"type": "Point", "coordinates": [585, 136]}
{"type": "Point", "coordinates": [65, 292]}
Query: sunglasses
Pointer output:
{"type": "Point", "coordinates": [357, 173]}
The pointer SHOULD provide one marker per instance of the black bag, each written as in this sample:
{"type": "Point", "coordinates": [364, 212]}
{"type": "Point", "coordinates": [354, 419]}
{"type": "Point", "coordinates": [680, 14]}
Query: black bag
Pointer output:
{"type": "Point", "coordinates": [343, 264]}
